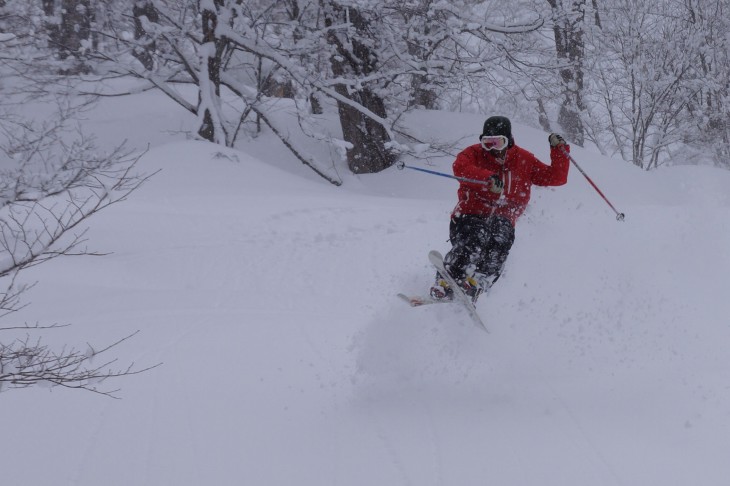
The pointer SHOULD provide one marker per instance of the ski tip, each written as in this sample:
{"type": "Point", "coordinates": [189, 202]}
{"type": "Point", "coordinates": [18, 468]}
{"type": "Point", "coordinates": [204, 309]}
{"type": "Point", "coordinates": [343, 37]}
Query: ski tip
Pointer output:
{"type": "Point", "coordinates": [404, 297]}
{"type": "Point", "coordinates": [435, 258]}
{"type": "Point", "coordinates": [413, 301]}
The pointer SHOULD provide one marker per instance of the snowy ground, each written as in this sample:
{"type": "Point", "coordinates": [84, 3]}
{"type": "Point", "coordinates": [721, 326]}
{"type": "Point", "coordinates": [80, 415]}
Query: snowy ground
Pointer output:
{"type": "Point", "coordinates": [269, 295]}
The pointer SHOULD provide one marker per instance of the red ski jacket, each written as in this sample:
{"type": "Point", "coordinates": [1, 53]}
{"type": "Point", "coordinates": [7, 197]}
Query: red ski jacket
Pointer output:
{"type": "Point", "coordinates": [519, 172]}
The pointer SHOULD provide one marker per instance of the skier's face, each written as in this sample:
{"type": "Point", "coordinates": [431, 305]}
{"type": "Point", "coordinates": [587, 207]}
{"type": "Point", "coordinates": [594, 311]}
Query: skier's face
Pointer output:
{"type": "Point", "coordinates": [499, 155]}
{"type": "Point", "coordinates": [496, 145]}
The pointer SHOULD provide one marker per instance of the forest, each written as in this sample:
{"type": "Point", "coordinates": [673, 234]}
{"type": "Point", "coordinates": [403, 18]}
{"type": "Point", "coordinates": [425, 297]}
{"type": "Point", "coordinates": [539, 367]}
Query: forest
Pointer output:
{"type": "Point", "coordinates": [644, 80]}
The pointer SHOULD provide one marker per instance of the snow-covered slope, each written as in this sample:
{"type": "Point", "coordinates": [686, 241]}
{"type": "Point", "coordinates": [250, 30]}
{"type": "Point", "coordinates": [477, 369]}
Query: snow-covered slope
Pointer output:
{"type": "Point", "coordinates": [269, 295]}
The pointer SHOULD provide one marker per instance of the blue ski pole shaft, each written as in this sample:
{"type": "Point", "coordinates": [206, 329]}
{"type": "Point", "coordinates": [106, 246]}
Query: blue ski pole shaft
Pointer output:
{"type": "Point", "coordinates": [402, 165]}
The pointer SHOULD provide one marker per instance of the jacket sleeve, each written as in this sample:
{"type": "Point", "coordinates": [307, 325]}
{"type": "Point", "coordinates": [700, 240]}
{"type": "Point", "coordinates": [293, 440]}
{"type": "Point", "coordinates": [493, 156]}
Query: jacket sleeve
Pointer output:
{"type": "Point", "coordinates": [555, 174]}
{"type": "Point", "coordinates": [466, 166]}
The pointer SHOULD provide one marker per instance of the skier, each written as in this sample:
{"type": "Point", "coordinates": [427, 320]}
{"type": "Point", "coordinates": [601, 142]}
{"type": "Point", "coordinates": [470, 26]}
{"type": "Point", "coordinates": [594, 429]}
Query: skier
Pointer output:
{"type": "Point", "coordinates": [482, 224]}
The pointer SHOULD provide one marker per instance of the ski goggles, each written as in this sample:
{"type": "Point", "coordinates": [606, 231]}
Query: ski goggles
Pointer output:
{"type": "Point", "coordinates": [494, 142]}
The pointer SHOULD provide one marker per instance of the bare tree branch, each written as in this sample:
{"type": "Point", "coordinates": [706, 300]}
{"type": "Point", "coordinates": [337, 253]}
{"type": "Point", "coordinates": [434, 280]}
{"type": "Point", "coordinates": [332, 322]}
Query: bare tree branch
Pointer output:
{"type": "Point", "coordinates": [27, 362]}
{"type": "Point", "coordinates": [54, 180]}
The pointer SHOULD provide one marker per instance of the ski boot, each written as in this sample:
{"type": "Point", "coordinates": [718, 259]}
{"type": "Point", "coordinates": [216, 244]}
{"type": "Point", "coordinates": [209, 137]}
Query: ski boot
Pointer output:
{"type": "Point", "coordinates": [471, 287]}
{"type": "Point", "coordinates": [441, 290]}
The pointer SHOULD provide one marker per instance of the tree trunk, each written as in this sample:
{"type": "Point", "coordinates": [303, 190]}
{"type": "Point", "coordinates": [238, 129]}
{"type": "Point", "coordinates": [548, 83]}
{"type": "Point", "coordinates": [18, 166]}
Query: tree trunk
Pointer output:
{"type": "Point", "coordinates": [49, 10]}
{"type": "Point", "coordinates": [294, 12]}
{"type": "Point", "coordinates": [74, 32]}
{"type": "Point", "coordinates": [207, 98]}
{"type": "Point", "coordinates": [71, 33]}
{"type": "Point", "coordinates": [570, 49]}
{"type": "Point", "coordinates": [368, 153]}
{"type": "Point", "coordinates": [422, 95]}
{"type": "Point", "coordinates": [144, 54]}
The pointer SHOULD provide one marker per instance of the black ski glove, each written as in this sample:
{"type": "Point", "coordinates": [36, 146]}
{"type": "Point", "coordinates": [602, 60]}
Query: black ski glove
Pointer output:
{"type": "Point", "coordinates": [555, 140]}
{"type": "Point", "coordinates": [495, 184]}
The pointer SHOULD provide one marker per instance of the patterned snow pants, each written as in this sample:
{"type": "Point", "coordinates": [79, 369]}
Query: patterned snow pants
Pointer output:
{"type": "Point", "coordinates": [480, 246]}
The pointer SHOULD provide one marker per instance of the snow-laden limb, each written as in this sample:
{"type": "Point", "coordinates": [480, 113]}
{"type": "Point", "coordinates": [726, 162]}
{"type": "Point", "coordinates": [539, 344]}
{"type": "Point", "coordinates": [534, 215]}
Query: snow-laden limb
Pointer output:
{"type": "Point", "coordinates": [298, 73]}
{"type": "Point", "coordinates": [308, 161]}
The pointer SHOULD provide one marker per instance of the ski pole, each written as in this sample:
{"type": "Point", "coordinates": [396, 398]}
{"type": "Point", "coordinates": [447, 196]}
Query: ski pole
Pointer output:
{"type": "Point", "coordinates": [619, 216]}
{"type": "Point", "coordinates": [403, 165]}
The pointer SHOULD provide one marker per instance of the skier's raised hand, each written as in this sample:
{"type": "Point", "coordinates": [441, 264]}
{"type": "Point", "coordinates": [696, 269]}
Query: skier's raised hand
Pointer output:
{"type": "Point", "coordinates": [555, 140]}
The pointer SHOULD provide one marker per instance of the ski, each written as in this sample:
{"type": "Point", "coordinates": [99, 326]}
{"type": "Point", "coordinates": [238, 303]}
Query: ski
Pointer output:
{"type": "Point", "coordinates": [418, 300]}
{"type": "Point", "coordinates": [459, 296]}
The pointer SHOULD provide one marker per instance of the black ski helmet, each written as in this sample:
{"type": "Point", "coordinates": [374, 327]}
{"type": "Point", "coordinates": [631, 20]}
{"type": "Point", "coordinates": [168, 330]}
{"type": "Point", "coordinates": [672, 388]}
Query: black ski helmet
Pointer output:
{"type": "Point", "coordinates": [498, 125]}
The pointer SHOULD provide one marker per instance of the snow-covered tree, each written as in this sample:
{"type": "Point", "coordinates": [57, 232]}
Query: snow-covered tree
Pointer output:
{"type": "Point", "coordinates": [709, 23]}
{"type": "Point", "coordinates": [568, 20]}
{"type": "Point", "coordinates": [645, 72]}
{"type": "Point", "coordinates": [358, 64]}
{"type": "Point", "coordinates": [646, 80]}
{"type": "Point", "coordinates": [373, 58]}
